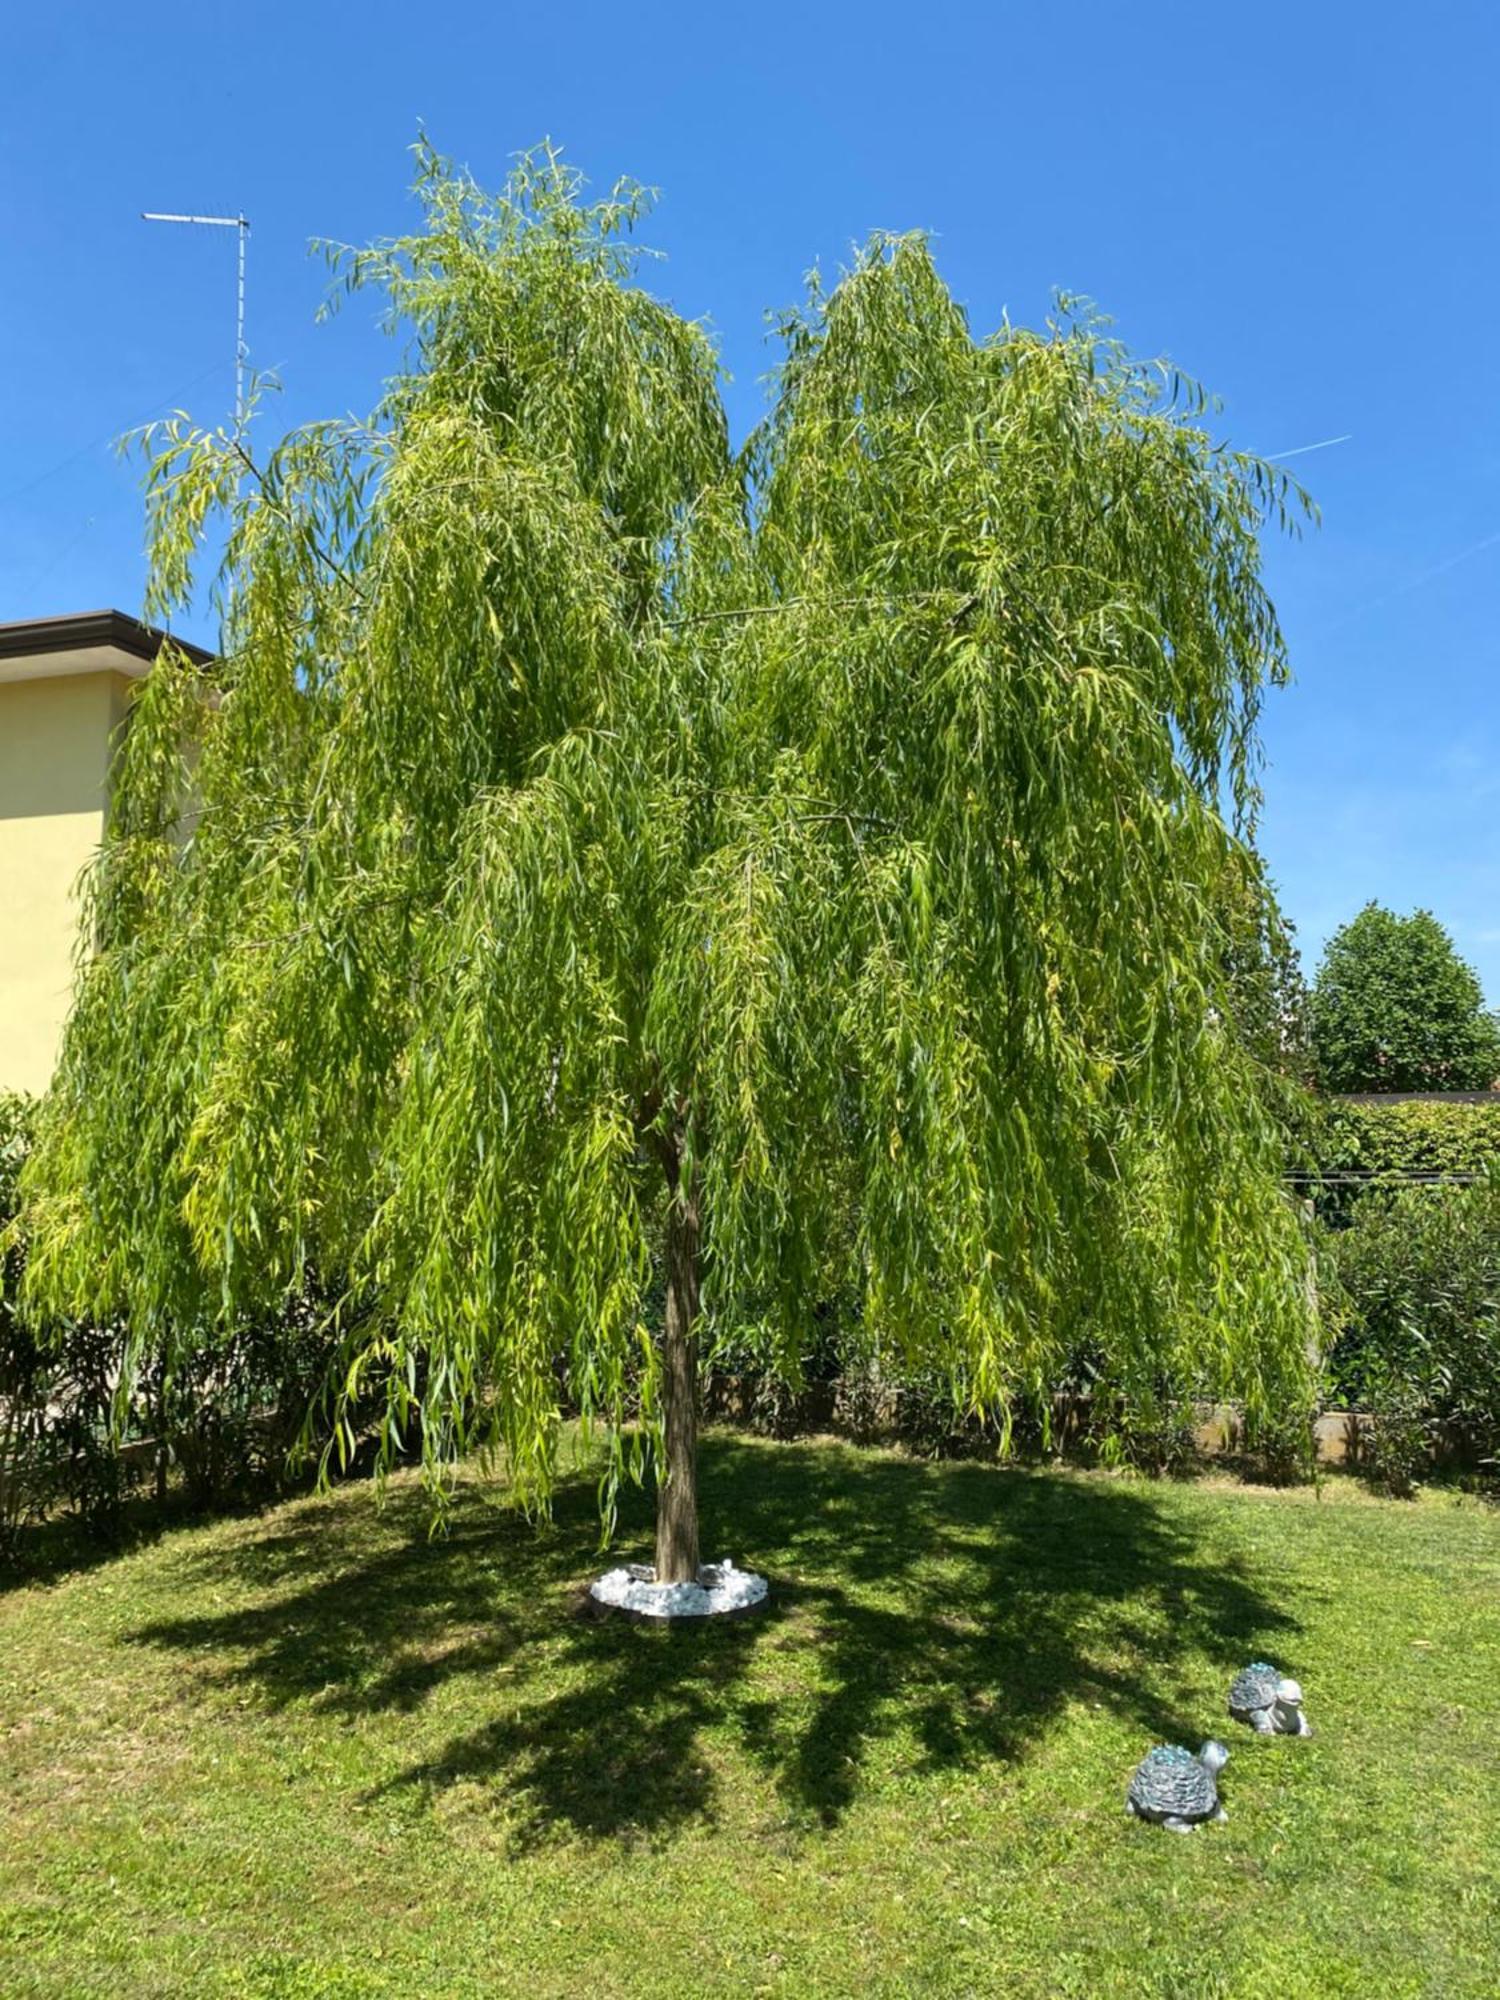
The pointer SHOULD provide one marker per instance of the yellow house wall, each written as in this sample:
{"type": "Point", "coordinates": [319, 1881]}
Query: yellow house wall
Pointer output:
{"type": "Point", "coordinates": [54, 765]}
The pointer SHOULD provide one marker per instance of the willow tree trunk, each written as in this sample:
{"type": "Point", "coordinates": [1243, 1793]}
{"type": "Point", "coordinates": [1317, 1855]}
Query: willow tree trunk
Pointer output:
{"type": "Point", "coordinates": [677, 1490]}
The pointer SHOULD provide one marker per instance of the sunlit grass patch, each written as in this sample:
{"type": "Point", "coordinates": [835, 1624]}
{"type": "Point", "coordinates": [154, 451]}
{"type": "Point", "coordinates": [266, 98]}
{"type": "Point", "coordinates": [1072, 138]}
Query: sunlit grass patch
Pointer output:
{"type": "Point", "coordinates": [314, 1753]}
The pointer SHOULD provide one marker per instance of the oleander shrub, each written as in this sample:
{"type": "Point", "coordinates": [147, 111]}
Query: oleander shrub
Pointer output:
{"type": "Point", "coordinates": [1397, 1448]}
{"type": "Point", "coordinates": [225, 1417]}
{"type": "Point", "coordinates": [1412, 1297]}
{"type": "Point", "coordinates": [58, 1444]}
{"type": "Point", "coordinates": [19, 1495]}
{"type": "Point", "coordinates": [1279, 1448]}
{"type": "Point", "coordinates": [1148, 1434]}
{"type": "Point", "coordinates": [866, 1392]}
{"type": "Point", "coordinates": [231, 1411]}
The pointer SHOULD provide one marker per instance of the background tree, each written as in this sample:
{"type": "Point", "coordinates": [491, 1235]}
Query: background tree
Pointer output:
{"type": "Point", "coordinates": [1394, 1007]}
{"type": "Point", "coordinates": [611, 856]}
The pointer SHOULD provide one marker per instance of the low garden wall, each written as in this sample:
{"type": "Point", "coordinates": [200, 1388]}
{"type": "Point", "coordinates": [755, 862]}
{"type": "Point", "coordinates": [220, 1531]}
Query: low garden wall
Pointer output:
{"type": "Point", "coordinates": [869, 1412]}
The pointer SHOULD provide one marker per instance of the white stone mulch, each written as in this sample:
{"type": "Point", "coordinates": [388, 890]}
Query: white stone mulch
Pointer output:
{"type": "Point", "coordinates": [720, 1587]}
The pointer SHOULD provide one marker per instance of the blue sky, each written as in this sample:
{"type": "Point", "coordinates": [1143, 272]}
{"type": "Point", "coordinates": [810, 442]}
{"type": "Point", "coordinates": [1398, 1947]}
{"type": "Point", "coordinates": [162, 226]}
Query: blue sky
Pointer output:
{"type": "Point", "coordinates": [1298, 204]}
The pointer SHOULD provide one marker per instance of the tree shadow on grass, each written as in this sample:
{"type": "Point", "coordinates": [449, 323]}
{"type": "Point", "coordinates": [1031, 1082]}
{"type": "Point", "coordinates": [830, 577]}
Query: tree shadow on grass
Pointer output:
{"type": "Point", "coordinates": [962, 1608]}
{"type": "Point", "coordinates": [48, 1551]}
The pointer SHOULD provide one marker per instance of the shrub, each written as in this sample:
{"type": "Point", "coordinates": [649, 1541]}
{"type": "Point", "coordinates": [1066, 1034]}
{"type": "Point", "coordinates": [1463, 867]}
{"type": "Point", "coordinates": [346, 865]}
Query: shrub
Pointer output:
{"type": "Point", "coordinates": [230, 1413]}
{"type": "Point", "coordinates": [1155, 1437]}
{"type": "Point", "coordinates": [58, 1443]}
{"type": "Point", "coordinates": [1279, 1448]}
{"type": "Point", "coordinates": [1413, 1302]}
{"type": "Point", "coordinates": [1398, 1447]}
{"type": "Point", "coordinates": [227, 1416]}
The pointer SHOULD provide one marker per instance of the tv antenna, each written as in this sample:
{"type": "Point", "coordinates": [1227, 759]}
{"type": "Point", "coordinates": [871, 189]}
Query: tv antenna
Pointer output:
{"type": "Point", "coordinates": [240, 223]}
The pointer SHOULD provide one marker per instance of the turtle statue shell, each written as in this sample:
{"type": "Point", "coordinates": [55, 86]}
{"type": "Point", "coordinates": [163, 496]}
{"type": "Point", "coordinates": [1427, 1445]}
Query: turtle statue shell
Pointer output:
{"type": "Point", "coordinates": [1175, 1789]}
{"type": "Point", "coordinates": [1272, 1705]}
{"type": "Point", "coordinates": [1253, 1687]}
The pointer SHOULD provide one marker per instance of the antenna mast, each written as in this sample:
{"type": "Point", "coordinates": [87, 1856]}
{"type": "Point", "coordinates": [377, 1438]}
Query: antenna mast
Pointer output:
{"type": "Point", "coordinates": [241, 224]}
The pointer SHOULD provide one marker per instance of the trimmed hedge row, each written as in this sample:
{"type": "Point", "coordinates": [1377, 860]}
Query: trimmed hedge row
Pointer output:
{"type": "Point", "coordinates": [1420, 1136]}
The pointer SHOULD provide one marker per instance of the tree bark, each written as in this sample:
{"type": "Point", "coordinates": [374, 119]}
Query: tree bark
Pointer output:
{"type": "Point", "coordinates": [677, 1487]}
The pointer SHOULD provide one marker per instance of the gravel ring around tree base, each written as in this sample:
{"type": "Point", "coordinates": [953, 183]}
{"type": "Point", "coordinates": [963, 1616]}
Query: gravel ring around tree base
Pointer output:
{"type": "Point", "coordinates": [722, 1591]}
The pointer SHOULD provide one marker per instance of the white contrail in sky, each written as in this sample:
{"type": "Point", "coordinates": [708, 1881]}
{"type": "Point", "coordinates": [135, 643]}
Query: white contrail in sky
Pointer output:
{"type": "Point", "coordinates": [1416, 582]}
{"type": "Point", "coordinates": [1452, 562]}
{"type": "Point", "coordinates": [1425, 576]}
{"type": "Point", "coordinates": [1322, 445]}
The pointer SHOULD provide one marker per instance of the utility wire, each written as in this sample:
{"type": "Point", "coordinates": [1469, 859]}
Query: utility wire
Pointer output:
{"type": "Point", "coordinates": [98, 444]}
{"type": "Point", "coordinates": [1387, 1176]}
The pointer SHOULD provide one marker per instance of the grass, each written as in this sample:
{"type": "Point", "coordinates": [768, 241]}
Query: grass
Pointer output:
{"type": "Point", "coordinates": [311, 1753]}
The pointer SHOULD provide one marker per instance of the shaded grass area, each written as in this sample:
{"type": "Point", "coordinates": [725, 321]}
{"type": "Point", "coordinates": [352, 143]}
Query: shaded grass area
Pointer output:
{"type": "Point", "coordinates": [314, 1753]}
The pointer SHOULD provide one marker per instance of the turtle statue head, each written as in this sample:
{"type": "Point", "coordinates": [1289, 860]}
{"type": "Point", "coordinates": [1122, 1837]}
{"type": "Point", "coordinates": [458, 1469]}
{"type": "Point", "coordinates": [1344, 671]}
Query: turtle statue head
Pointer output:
{"type": "Point", "coordinates": [1289, 1703]}
{"type": "Point", "coordinates": [1213, 1756]}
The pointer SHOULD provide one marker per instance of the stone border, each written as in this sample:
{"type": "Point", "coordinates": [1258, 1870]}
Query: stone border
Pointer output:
{"type": "Point", "coordinates": [593, 1610]}
{"type": "Point", "coordinates": [627, 1575]}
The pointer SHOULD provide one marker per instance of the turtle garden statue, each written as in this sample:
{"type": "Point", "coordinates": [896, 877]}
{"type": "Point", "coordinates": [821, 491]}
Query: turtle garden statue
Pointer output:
{"type": "Point", "coordinates": [1175, 1789]}
{"type": "Point", "coordinates": [1268, 1701]}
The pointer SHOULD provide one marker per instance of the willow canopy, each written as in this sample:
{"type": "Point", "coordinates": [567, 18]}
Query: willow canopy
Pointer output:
{"type": "Point", "coordinates": [604, 867]}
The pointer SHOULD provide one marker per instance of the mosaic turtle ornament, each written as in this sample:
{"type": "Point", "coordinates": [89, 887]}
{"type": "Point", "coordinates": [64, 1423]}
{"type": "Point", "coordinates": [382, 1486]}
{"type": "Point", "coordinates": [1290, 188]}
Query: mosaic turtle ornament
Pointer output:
{"type": "Point", "coordinates": [1175, 1789]}
{"type": "Point", "coordinates": [1269, 1702]}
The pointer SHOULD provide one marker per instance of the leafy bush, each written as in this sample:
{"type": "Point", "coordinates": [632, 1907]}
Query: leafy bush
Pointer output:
{"type": "Point", "coordinates": [876, 1398]}
{"type": "Point", "coordinates": [230, 1411]}
{"type": "Point", "coordinates": [56, 1389]}
{"type": "Point", "coordinates": [1155, 1437]}
{"type": "Point", "coordinates": [226, 1415]}
{"type": "Point", "coordinates": [1394, 1007]}
{"type": "Point", "coordinates": [1413, 1300]}
{"type": "Point", "coordinates": [1413, 1137]}
{"type": "Point", "coordinates": [1279, 1448]}
{"type": "Point", "coordinates": [1398, 1446]}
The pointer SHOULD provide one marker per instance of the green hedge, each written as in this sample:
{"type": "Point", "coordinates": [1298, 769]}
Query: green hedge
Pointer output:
{"type": "Point", "coordinates": [1416, 1137]}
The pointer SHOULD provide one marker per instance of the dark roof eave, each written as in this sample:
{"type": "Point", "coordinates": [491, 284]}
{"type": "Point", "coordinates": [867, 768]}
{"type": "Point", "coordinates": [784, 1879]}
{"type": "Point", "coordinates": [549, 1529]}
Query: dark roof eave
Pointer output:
{"type": "Point", "coordinates": [79, 631]}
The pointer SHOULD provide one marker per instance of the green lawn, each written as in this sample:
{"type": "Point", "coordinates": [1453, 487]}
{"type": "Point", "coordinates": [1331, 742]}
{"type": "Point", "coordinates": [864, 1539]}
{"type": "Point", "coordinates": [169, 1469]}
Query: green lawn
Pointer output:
{"type": "Point", "coordinates": [313, 1753]}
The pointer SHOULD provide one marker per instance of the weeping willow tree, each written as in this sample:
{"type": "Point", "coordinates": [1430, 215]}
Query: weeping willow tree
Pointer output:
{"type": "Point", "coordinates": [604, 867]}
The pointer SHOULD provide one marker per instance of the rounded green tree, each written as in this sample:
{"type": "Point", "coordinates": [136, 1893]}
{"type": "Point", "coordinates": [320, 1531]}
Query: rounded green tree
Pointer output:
{"type": "Point", "coordinates": [1394, 1007]}
{"type": "Point", "coordinates": [603, 866]}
